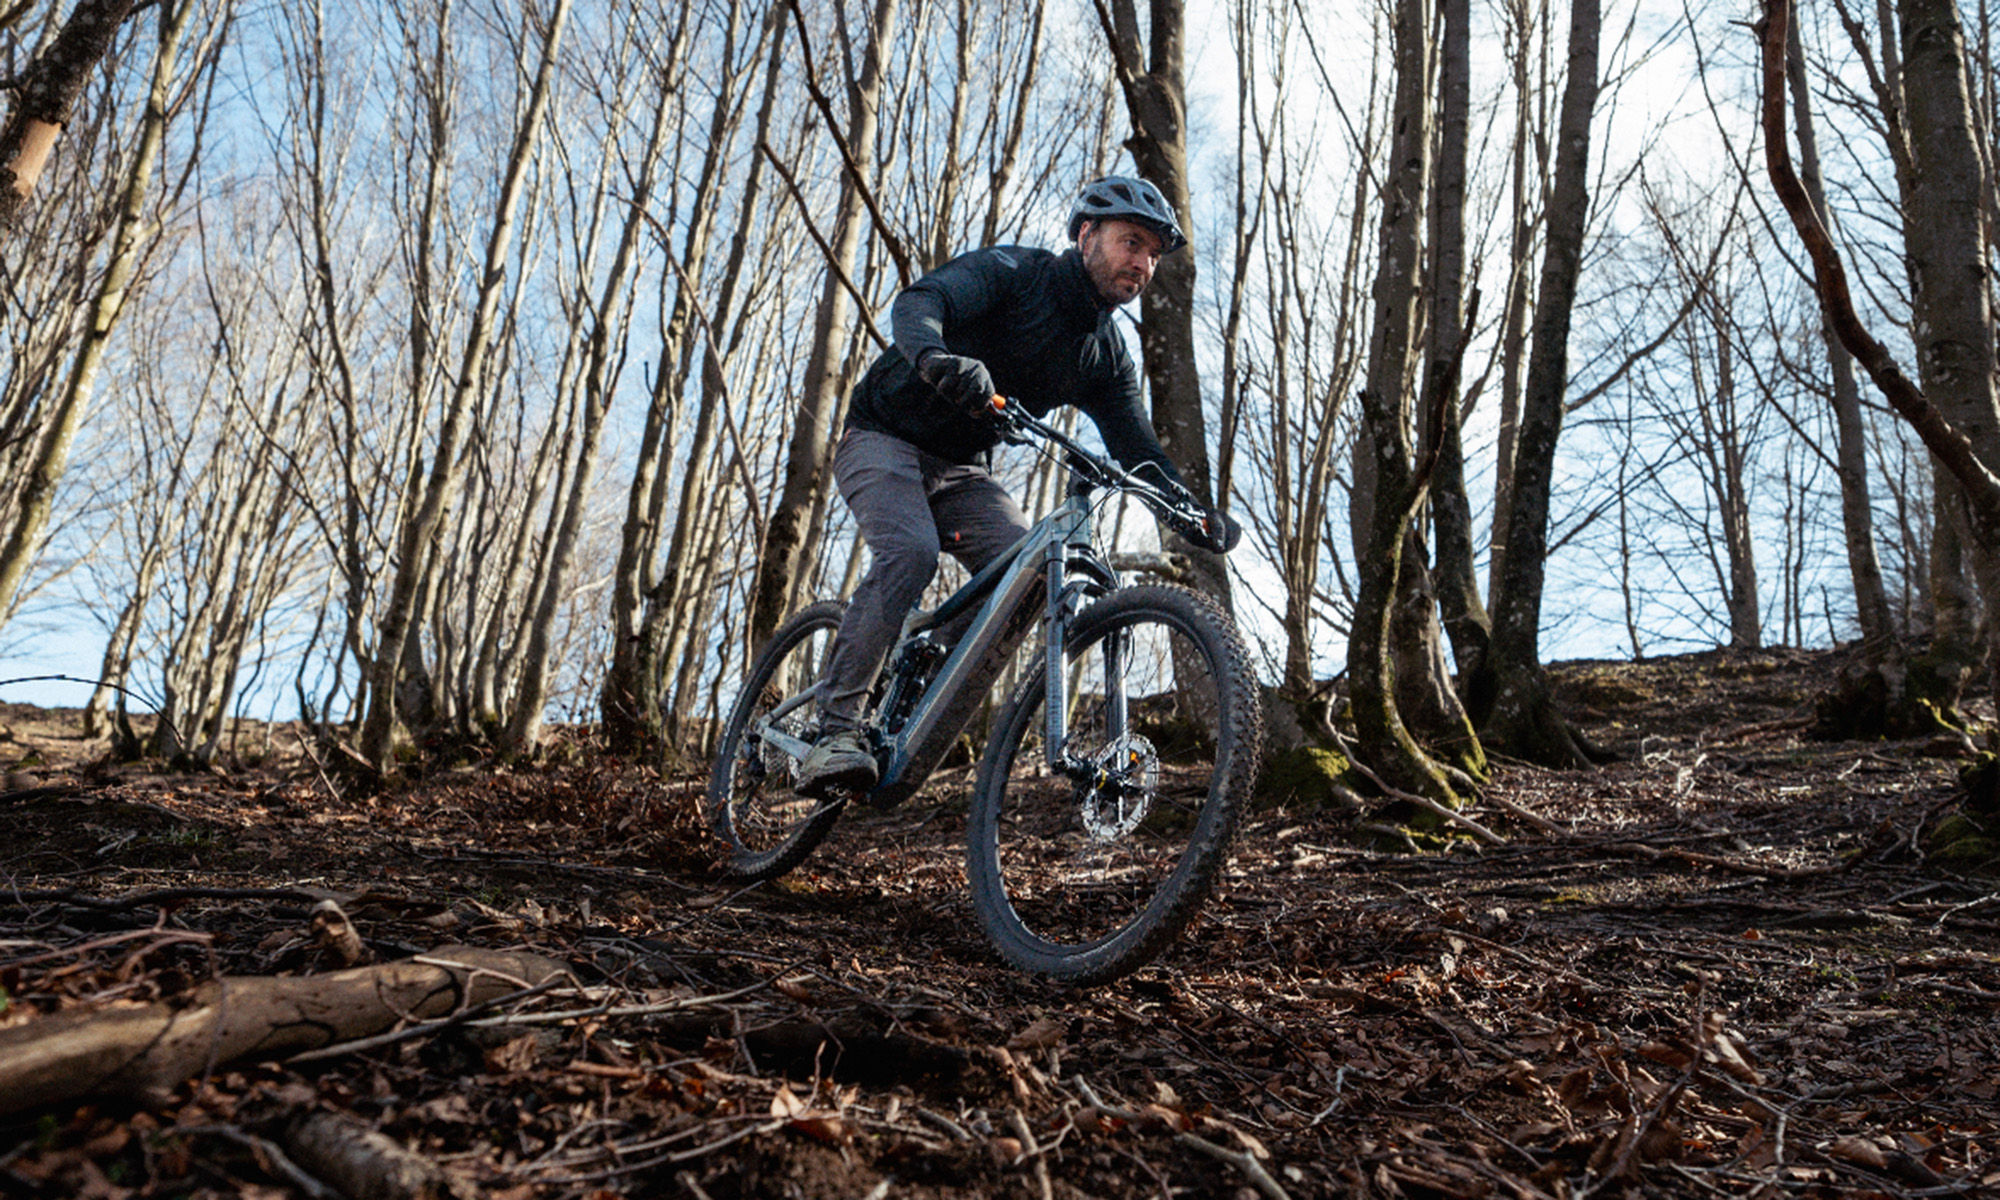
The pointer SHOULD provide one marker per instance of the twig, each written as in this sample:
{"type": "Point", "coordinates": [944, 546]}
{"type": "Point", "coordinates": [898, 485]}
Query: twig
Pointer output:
{"type": "Point", "coordinates": [622, 1010]}
{"type": "Point", "coordinates": [423, 1029]}
{"type": "Point", "coordinates": [1694, 858]}
{"type": "Point", "coordinates": [832, 263]}
{"type": "Point", "coordinates": [679, 1156]}
{"type": "Point", "coordinates": [890, 241]}
{"type": "Point", "coordinates": [167, 937]}
{"type": "Point", "coordinates": [270, 1156]}
{"type": "Point", "coordinates": [688, 1181]}
{"type": "Point", "coordinates": [945, 1123]}
{"type": "Point", "coordinates": [1552, 828]}
{"type": "Point", "coordinates": [1031, 1151]}
{"type": "Point", "coordinates": [319, 767]}
{"type": "Point", "coordinates": [22, 899]}
{"type": "Point", "coordinates": [738, 458]}
{"type": "Point", "coordinates": [1242, 1160]}
{"type": "Point", "coordinates": [180, 739]}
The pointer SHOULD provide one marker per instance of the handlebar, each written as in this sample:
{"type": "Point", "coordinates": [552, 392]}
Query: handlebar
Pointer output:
{"type": "Point", "coordinates": [1176, 507]}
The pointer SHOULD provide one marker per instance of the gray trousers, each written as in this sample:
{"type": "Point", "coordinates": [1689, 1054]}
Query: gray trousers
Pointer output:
{"type": "Point", "coordinates": [910, 505]}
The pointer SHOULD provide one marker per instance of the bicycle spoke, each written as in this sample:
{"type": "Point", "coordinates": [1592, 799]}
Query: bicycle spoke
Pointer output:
{"type": "Point", "coordinates": [1086, 870]}
{"type": "Point", "coordinates": [767, 826]}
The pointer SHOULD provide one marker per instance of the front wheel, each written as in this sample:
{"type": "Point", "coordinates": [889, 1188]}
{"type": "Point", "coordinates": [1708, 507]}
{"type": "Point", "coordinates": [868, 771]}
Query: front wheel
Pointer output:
{"type": "Point", "coordinates": [1086, 871]}
{"type": "Point", "coordinates": [768, 827]}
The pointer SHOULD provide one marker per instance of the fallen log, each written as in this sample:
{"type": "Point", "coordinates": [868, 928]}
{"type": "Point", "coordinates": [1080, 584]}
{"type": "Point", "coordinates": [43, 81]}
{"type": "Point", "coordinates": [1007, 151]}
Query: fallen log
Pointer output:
{"type": "Point", "coordinates": [367, 1164]}
{"type": "Point", "coordinates": [142, 1052]}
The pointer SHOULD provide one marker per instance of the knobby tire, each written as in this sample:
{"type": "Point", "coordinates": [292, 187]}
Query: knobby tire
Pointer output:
{"type": "Point", "coordinates": [1063, 885]}
{"type": "Point", "coordinates": [767, 828]}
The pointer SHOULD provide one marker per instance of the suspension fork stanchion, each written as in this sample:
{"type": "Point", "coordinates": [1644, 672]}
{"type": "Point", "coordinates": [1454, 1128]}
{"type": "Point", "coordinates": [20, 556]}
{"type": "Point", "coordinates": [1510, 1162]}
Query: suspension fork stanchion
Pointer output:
{"type": "Point", "coordinates": [1114, 686]}
{"type": "Point", "coordinates": [1055, 708]}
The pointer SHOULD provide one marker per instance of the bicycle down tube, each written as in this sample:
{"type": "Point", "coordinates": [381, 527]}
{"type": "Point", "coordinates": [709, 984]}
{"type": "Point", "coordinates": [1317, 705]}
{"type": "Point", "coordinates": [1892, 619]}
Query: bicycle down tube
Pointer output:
{"type": "Point", "coordinates": [962, 683]}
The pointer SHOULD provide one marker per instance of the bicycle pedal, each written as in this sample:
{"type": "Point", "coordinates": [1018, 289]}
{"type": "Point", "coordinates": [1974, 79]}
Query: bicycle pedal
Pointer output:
{"type": "Point", "coordinates": [886, 797]}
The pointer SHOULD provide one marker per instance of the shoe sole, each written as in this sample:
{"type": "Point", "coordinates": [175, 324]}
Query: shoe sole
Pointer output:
{"type": "Point", "coordinates": [857, 781]}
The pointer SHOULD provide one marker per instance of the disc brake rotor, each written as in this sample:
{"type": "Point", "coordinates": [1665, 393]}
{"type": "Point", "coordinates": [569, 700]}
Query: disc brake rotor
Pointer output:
{"type": "Point", "coordinates": [1124, 778]}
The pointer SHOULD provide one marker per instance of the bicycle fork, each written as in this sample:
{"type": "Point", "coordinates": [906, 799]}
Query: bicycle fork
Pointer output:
{"type": "Point", "coordinates": [1055, 708]}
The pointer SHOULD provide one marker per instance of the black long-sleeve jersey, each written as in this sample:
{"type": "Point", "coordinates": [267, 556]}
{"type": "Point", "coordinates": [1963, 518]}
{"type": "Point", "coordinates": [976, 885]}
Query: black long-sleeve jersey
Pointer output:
{"type": "Point", "coordinates": [1035, 320]}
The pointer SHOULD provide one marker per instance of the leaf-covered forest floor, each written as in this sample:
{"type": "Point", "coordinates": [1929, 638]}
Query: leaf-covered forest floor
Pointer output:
{"type": "Point", "coordinates": [1736, 975]}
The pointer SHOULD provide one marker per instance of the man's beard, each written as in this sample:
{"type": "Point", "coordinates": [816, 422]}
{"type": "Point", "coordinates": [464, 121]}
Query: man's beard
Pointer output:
{"type": "Point", "coordinates": [1112, 288]}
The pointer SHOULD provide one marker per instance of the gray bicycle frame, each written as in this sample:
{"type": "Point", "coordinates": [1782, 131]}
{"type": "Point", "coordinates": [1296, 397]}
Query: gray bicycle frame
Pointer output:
{"type": "Point", "coordinates": [1040, 559]}
{"type": "Point", "coordinates": [1043, 557]}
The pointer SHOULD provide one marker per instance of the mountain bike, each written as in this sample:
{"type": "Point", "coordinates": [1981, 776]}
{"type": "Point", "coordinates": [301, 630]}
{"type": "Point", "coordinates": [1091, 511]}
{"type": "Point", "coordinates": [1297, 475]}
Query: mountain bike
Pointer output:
{"type": "Point", "coordinates": [1114, 775]}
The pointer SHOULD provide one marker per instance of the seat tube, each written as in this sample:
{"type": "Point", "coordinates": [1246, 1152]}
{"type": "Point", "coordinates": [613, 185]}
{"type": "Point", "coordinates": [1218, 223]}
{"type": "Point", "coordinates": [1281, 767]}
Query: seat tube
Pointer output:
{"type": "Point", "coordinates": [1055, 705]}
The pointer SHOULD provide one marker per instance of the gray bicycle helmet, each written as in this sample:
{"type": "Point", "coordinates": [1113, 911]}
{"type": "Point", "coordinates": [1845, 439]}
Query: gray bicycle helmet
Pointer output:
{"type": "Point", "coordinates": [1122, 198]}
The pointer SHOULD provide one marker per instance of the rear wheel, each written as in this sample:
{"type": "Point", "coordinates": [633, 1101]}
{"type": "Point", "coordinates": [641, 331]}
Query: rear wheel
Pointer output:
{"type": "Point", "coordinates": [768, 827]}
{"type": "Point", "coordinates": [1088, 870]}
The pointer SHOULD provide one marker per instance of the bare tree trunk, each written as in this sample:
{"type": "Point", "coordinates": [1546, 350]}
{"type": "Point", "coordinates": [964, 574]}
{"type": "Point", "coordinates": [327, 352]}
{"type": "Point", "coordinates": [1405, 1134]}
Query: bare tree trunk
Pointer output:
{"type": "Point", "coordinates": [1509, 696]}
{"type": "Point", "coordinates": [1871, 601]}
{"type": "Point", "coordinates": [1946, 239]}
{"type": "Point", "coordinates": [1527, 32]}
{"type": "Point", "coordinates": [1153, 78]}
{"type": "Point", "coordinates": [1382, 532]}
{"type": "Point", "coordinates": [128, 244]}
{"type": "Point", "coordinates": [630, 698]}
{"type": "Point", "coordinates": [605, 338]}
{"type": "Point", "coordinates": [420, 528]}
{"type": "Point", "coordinates": [1746, 629]}
{"type": "Point", "coordinates": [46, 94]}
{"type": "Point", "coordinates": [786, 553]}
{"type": "Point", "coordinates": [1940, 147]}
{"type": "Point", "coordinates": [1010, 150]}
{"type": "Point", "coordinates": [1455, 581]}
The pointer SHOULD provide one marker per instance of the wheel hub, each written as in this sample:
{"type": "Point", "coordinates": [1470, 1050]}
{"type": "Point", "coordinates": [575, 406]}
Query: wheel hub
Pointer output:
{"type": "Point", "coordinates": [1124, 777]}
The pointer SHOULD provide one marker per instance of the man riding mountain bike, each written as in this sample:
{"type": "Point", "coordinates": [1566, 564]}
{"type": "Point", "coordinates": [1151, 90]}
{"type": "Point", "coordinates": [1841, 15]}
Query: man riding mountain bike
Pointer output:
{"type": "Point", "coordinates": [1013, 320]}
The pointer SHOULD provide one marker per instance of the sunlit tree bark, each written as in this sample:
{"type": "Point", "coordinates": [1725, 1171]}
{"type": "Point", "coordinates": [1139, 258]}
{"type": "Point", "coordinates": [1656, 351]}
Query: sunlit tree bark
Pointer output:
{"type": "Point", "coordinates": [1152, 74]}
{"type": "Point", "coordinates": [787, 554]}
{"type": "Point", "coordinates": [421, 524]}
{"type": "Point", "coordinates": [45, 96]}
{"type": "Point", "coordinates": [1384, 451]}
{"type": "Point", "coordinates": [1509, 696]}
{"type": "Point", "coordinates": [133, 233]}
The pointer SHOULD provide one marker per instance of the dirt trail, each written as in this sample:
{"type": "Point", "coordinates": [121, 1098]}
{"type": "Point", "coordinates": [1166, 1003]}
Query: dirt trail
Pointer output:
{"type": "Point", "coordinates": [1735, 975]}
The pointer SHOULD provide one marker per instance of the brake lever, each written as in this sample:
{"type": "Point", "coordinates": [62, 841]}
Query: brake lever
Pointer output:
{"type": "Point", "coordinates": [1007, 423]}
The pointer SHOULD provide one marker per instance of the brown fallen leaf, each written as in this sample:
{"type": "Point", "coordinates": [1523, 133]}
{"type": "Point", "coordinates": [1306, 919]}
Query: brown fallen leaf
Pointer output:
{"type": "Point", "coordinates": [786, 1103]}
{"type": "Point", "coordinates": [1045, 1032]}
{"type": "Point", "coordinates": [1663, 1140]}
{"type": "Point", "coordinates": [1732, 1056]}
{"type": "Point", "coordinates": [450, 1109]}
{"type": "Point", "coordinates": [1861, 1151]}
{"type": "Point", "coordinates": [517, 1054]}
{"type": "Point", "coordinates": [1667, 1054]}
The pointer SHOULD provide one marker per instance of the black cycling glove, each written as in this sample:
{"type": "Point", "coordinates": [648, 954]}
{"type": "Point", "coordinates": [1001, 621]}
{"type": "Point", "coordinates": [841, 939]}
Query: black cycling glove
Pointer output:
{"type": "Point", "coordinates": [965, 382]}
{"type": "Point", "coordinates": [1222, 532]}
{"type": "Point", "coordinates": [1217, 531]}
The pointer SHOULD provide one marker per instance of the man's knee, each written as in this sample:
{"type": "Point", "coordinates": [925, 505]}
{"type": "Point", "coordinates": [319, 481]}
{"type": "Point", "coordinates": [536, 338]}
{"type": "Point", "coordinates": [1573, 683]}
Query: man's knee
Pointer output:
{"type": "Point", "coordinates": [906, 564]}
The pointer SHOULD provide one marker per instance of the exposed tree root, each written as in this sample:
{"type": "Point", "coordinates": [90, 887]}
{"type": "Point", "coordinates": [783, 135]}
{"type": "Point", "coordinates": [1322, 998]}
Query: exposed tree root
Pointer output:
{"type": "Point", "coordinates": [1518, 717]}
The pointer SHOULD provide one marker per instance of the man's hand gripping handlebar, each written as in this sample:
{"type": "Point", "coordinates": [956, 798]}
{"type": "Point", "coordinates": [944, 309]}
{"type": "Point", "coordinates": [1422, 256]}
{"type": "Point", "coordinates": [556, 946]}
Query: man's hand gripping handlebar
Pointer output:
{"type": "Point", "coordinates": [1179, 509]}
